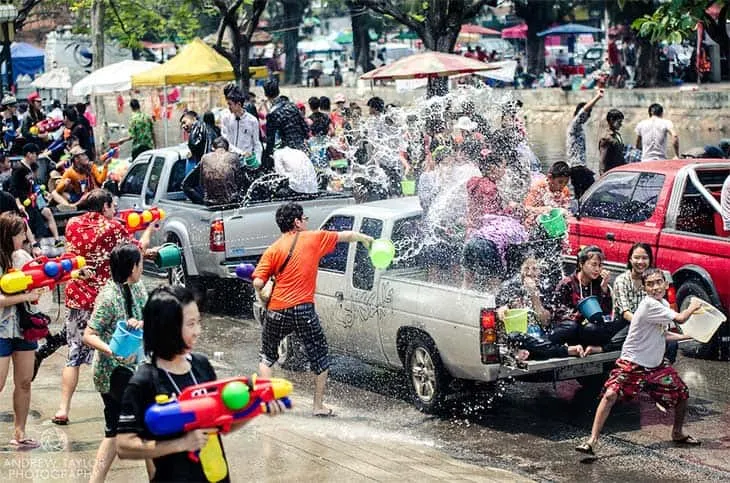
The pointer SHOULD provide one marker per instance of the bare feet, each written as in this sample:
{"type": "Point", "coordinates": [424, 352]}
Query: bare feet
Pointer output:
{"type": "Point", "coordinates": [522, 355]}
{"type": "Point", "coordinates": [575, 350]}
{"type": "Point", "coordinates": [592, 349]}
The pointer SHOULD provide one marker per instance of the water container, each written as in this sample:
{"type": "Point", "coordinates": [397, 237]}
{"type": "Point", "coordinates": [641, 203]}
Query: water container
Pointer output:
{"type": "Point", "coordinates": [382, 252]}
{"type": "Point", "coordinates": [515, 320]}
{"type": "Point", "coordinates": [125, 340]}
{"type": "Point", "coordinates": [554, 223]}
{"type": "Point", "coordinates": [169, 255]}
{"type": "Point", "coordinates": [408, 187]}
{"type": "Point", "coordinates": [703, 324]}
{"type": "Point", "coordinates": [590, 308]}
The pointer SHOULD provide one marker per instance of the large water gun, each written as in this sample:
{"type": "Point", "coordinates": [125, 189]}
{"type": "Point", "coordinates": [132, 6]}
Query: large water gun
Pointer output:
{"type": "Point", "coordinates": [216, 404]}
{"type": "Point", "coordinates": [137, 220]}
{"type": "Point", "coordinates": [36, 197]}
{"type": "Point", "coordinates": [111, 153]}
{"type": "Point", "coordinates": [56, 145]}
{"type": "Point", "coordinates": [46, 126]}
{"type": "Point", "coordinates": [42, 272]}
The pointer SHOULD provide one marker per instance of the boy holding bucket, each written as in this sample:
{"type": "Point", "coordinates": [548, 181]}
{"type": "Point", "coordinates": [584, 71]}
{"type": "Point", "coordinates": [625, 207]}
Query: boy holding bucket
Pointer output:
{"type": "Point", "coordinates": [122, 299]}
{"type": "Point", "coordinates": [642, 365]}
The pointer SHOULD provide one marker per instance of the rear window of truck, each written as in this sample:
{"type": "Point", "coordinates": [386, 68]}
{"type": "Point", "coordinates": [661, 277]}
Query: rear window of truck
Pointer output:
{"type": "Point", "coordinates": [625, 196]}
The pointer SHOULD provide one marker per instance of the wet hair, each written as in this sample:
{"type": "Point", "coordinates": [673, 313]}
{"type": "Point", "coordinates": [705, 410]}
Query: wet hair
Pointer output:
{"type": "Point", "coordinates": [11, 225]}
{"type": "Point", "coordinates": [287, 214]}
{"type": "Point", "coordinates": [559, 169]}
{"type": "Point", "coordinates": [122, 261]}
{"type": "Point", "coordinates": [324, 103]}
{"type": "Point", "coordinates": [220, 143]}
{"type": "Point", "coordinates": [209, 118]}
{"type": "Point", "coordinates": [578, 108]}
{"type": "Point", "coordinates": [313, 103]}
{"type": "Point", "coordinates": [163, 316]}
{"type": "Point", "coordinates": [191, 114]}
{"type": "Point", "coordinates": [71, 114]}
{"type": "Point", "coordinates": [652, 271]}
{"type": "Point", "coordinates": [80, 108]}
{"type": "Point", "coordinates": [271, 88]}
{"type": "Point", "coordinates": [229, 89]}
{"type": "Point", "coordinates": [134, 104]}
{"type": "Point", "coordinates": [236, 98]}
{"type": "Point", "coordinates": [614, 115]}
{"type": "Point", "coordinates": [586, 253]}
{"type": "Point", "coordinates": [30, 148]}
{"type": "Point", "coordinates": [376, 103]}
{"type": "Point", "coordinates": [646, 247]}
{"type": "Point", "coordinates": [96, 200]}
{"type": "Point", "coordinates": [656, 110]}
{"type": "Point", "coordinates": [488, 162]}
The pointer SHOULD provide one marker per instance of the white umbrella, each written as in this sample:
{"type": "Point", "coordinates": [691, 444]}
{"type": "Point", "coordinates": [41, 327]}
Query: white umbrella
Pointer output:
{"type": "Point", "coordinates": [111, 78]}
{"type": "Point", "coordinates": [54, 79]}
{"type": "Point", "coordinates": [505, 71]}
{"type": "Point", "coordinates": [319, 46]}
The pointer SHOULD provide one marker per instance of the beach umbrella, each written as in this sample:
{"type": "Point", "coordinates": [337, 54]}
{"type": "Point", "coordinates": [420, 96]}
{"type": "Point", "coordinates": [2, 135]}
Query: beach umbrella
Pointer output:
{"type": "Point", "coordinates": [54, 79]}
{"type": "Point", "coordinates": [570, 29]}
{"type": "Point", "coordinates": [344, 38]}
{"type": "Point", "coordinates": [477, 29]}
{"type": "Point", "coordinates": [426, 65]}
{"type": "Point", "coordinates": [319, 46]}
{"type": "Point", "coordinates": [515, 32]}
{"type": "Point", "coordinates": [111, 78]}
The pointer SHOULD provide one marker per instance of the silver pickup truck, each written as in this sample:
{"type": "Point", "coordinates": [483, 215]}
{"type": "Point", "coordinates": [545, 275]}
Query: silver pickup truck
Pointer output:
{"type": "Point", "coordinates": [215, 239]}
{"type": "Point", "coordinates": [439, 334]}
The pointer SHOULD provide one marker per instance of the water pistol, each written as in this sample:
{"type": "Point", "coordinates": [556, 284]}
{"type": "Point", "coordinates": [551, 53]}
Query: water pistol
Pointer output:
{"type": "Point", "coordinates": [46, 126]}
{"type": "Point", "coordinates": [56, 146]}
{"type": "Point", "coordinates": [111, 153]}
{"type": "Point", "coordinates": [137, 220]}
{"type": "Point", "coordinates": [36, 197]}
{"type": "Point", "coordinates": [42, 272]}
{"type": "Point", "coordinates": [216, 404]}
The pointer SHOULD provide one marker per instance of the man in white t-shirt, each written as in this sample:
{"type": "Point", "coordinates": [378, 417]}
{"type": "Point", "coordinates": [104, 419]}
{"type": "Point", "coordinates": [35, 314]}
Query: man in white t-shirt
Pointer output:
{"type": "Point", "coordinates": [725, 203]}
{"type": "Point", "coordinates": [296, 166]}
{"type": "Point", "coordinates": [652, 133]}
{"type": "Point", "coordinates": [642, 365]}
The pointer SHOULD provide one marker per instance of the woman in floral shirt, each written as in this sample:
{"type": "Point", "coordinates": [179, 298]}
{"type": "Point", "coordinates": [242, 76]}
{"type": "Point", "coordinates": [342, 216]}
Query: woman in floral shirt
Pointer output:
{"type": "Point", "coordinates": [122, 298]}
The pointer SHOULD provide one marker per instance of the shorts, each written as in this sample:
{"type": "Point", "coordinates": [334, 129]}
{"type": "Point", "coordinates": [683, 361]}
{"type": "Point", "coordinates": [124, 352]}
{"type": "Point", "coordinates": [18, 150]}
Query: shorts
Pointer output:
{"type": "Point", "coordinates": [78, 352]}
{"type": "Point", "coordinates": [113, 399]}
{"type": "Point", "coordinates": [662, 383]}
{"type": "Point", "coordinates": [304, 322]}
{"type": "Point", "coordinates": [482, 257]}
{"type": "Point", "coordinates": [8, 346]}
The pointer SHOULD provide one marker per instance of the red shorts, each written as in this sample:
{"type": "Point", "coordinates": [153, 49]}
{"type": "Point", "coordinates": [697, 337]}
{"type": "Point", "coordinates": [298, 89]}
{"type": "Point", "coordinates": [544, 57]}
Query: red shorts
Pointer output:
{"type": "Point", "coordinates": [662, 383]}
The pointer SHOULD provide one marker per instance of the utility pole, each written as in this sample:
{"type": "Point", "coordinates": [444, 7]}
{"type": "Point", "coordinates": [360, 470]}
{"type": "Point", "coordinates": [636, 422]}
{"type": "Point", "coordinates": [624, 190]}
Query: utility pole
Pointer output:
{"type": "Point", "coordinates": [98, 8]}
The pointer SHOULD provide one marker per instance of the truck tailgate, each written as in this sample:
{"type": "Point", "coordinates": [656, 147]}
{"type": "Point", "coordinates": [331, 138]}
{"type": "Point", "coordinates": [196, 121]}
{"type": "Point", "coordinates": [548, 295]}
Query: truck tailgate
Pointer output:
{"type": "Point", "coordinates": [564, 367]}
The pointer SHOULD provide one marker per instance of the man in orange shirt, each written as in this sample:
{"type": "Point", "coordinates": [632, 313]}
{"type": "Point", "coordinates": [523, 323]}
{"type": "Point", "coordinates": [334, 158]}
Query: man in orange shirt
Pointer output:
{"type": "Point", "coordinates": [82, 177]}
{"type": "Point", "coordinates": [293, 260]}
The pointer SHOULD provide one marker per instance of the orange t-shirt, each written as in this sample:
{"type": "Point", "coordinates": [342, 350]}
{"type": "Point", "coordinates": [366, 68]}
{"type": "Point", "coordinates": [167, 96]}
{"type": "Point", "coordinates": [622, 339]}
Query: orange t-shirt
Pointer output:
{"type": "Point", "coordinates": [296, 284]}
{"type": "Point", "coordinates": [71, 179]}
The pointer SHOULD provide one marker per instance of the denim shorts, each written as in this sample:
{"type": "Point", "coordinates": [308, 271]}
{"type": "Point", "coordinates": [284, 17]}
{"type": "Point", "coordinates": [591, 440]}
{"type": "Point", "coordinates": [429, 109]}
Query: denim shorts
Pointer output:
{"type": "Point", "coordinates": [8, 346]}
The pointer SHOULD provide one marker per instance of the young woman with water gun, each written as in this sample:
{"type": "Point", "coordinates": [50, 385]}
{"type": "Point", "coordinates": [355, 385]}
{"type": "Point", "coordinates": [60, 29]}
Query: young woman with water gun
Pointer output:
{"type": "Point", "coordinates": [171, 330]}
{"type": "Point", "coordinates": [122, 299]}
{"type": "Point", "coordinates": [12, 344]}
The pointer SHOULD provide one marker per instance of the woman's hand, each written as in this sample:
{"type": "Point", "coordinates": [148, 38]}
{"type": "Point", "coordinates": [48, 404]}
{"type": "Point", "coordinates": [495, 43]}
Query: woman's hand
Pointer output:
{"type": "Point", "coordinates": [530, 284]}
{"type": "Point", "coordinates": [135, 324]}
{"type": "Point", "coordinates": [194, 440]}
{"type": "Point", "coordinates": [604, 282]}
{"type": "Point", "coordinates": [34, 295]}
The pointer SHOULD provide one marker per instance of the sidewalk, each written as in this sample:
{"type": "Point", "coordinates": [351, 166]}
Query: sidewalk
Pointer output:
{"type": "Point", "coordinates": [291, 447]}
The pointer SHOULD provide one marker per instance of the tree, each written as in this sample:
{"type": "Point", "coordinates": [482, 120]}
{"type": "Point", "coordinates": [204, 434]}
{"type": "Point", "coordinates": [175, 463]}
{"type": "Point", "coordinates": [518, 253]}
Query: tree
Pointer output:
{"type": "Point", "coordinates": [239, 18]}
{"type": "Point", "coordinates": [539, 16]}
{"type": "Point", "coordinates": [677, 21]}
{"type": "Point", "coordinates": [286, 18]}
{"type": "Point", "coordinates": [360, 18]}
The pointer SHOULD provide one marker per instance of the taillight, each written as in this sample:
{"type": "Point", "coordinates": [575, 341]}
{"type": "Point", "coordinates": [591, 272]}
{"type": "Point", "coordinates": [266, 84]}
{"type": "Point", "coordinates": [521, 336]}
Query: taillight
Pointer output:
{"type": "Point", "coordinates": [672, 296]}
{"type": "Point", "coordinates": [217, 236]}
{"type": "Point", "coordinates": [488, 336]}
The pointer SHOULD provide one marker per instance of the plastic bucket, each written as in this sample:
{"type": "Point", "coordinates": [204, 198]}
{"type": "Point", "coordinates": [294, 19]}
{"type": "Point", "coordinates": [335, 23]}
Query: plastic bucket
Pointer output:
{"type": "Point", "coordinates": [515, 320]}
{"type": "Point", "coordinates": [408, 187]}
{"type": "Point", "coordinates": [703, 324]}
{"type": "Point", "coordinates": [251, 162]}
{"type": "Point", "coordinates": [553, 223]}
{"type": "Point", "coordinates": [382, 252]}
{"type": "Point", "coordinates": [590, 308]}
{"type": "Point", "coordinates": [125, 341]}
{"type": "Point", "coordinates": [168, 256]}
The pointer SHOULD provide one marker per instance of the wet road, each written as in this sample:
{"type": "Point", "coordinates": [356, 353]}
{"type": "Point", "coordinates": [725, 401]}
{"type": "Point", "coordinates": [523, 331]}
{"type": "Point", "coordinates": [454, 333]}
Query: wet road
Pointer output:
{"type": "Point", "coordinates": [533, 429]}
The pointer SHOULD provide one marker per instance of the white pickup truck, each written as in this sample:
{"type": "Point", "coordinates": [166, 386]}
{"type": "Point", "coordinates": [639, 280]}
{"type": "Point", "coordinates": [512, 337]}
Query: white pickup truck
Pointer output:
{"type": "Point", "coordinates": [439, 334]}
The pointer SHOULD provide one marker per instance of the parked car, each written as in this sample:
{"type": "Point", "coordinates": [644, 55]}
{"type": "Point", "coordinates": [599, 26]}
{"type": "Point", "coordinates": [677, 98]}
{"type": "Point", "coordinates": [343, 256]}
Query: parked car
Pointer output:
{"type": "Point", "coordinates": [674, 207]}
{"type": "Point", "coordinates": [439, 334]}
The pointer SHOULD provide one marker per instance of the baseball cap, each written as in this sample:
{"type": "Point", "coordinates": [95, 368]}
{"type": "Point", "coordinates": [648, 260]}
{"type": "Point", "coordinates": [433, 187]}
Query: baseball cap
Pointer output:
{"type": "Point", "coordinates": [340, 98]}
{"type": "Point", "coordinates": [34, 96]}
{"type": "Point", "coordinates": [9, 100]}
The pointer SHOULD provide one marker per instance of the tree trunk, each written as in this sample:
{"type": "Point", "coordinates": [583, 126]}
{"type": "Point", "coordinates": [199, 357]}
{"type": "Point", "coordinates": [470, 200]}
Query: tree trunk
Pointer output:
{"type": "Point", "coordinates": [360, 37]}
{"type": "Point", "coordinates": [647, 72]}
{"type": "Point", "coordinates": [98, 9]}
{"type": "Point", "coordinates": [245, 77]}
{"type": "Point", "coordinates": [535, 54]}
{"type": "Point", "coordinates": [293, 16]}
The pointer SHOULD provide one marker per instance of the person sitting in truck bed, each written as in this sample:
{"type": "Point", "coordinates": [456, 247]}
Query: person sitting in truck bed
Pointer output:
{"type": "Point", "coordinates": [221, 175]}
{"type": "Point", "coordinates": [589, 280]}
{"type": "Point", "coordinates": [529, 290]}
{"type": "Point", "coordinates": [82, 177]}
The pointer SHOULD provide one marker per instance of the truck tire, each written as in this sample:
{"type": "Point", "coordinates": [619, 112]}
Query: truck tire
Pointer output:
{"type": "Point", "coordinates": [428, 379]}
{"type": "Point", "coordinates": [710, 350]}
{"type": "Point", "coordinates": [179, 276]}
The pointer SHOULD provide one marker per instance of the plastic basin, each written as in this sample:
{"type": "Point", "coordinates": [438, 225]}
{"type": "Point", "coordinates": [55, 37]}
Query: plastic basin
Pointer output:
{"type": "Point", "coordinates": [125, 341]}
{"type": "Point", "coordinates": [382, 252]}
{"type": "Point", "coordinates": [515, 320]}
{"type": "Point", "coordinates": [590, 308]}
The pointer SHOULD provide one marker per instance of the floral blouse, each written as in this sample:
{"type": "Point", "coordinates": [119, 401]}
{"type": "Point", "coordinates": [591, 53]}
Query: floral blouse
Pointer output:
{"type": "Point", "coordinates": [108, 310]}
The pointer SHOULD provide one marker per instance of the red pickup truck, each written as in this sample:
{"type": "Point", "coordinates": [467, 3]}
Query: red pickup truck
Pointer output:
{"type": "Point", "coordinates": [674, 206]}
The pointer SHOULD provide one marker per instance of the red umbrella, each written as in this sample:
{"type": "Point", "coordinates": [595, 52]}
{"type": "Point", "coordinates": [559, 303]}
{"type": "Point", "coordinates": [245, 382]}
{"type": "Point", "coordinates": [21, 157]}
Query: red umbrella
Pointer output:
{"type": "Point", "coordinates": [477, 29]}
{"type": "Point", "coordinates": [516, 32]}
{"type": "Point", "coordinates": [426, 65]}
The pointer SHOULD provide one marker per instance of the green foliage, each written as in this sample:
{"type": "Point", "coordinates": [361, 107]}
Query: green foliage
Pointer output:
{"type": "Point", "coordinates": [132, 21]}
{"type": "Point", "coordinates": [673, 21]}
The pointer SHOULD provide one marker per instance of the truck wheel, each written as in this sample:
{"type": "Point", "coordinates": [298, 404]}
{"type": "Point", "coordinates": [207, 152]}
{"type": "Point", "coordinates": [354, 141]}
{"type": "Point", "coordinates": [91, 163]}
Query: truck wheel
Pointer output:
{"type": "Point", "coordinates": [179, 276]}
{"type": "Point", "coordinates": [702, 351]}
{"type": "Point", "coordinates": [428, 380]}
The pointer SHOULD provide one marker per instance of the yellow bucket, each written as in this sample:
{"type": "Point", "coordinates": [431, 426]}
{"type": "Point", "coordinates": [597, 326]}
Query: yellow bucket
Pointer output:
{"type": "Point", "coordinates": [515, 320]}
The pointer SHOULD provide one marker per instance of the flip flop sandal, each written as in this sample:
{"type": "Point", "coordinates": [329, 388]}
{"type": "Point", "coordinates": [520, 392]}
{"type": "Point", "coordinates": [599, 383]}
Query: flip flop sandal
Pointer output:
{"type": "Point", "coordinates": [328, 414]}
{"type": "Point", "coordinates": [687, 441]}
{"type": "Point", "coordinates": [25, 443]}
{"type": "Point", "coordinates": [60, 420]}
{"type": "Point", "coordinates": [585, 448]}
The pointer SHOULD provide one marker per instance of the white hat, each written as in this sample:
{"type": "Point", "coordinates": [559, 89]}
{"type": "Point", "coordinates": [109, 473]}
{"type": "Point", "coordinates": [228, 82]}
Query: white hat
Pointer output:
{"type": "Point", "coordinates": [466, 124]}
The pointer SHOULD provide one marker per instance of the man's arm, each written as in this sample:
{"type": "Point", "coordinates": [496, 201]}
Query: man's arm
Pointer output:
{"type": "Point", "coordinates": [593, 101]}
{"type": "Point", "coordinates": [675, 141]}
{"type": "Point", "coordinates": [257, 148]}
{"type": "Point", "coordinates": [354, 236]}
{"type": "Point", "coordinates": [694, 306]}
{"type": "Point", "coordinates": [638, 142]}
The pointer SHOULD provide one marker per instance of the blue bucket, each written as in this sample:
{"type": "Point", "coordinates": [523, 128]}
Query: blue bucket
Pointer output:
{"type": "Point", "coordinates": [590, 308]}
{"type": "Point", "coordinates": [125, 341]}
